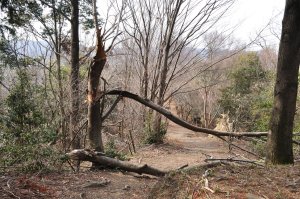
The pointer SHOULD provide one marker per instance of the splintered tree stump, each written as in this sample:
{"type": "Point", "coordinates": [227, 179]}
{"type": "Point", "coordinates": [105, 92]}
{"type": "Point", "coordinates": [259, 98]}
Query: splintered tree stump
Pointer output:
{"type": "Point", "coordinates": [91, 156]}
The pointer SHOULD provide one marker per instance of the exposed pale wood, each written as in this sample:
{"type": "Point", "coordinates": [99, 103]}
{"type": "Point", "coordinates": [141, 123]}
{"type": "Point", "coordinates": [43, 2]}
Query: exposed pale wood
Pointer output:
{"type": "Point", "coordinates": [94, 105]}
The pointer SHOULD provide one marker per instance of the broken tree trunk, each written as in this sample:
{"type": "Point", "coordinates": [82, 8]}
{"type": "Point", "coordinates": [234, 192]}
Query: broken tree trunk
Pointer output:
{"type": "Point", "coordinates": [88, 155]}
{"type": "Point", "coordinates": [95, 71]}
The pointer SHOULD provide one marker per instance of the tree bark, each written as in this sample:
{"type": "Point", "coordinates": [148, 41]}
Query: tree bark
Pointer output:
{"type": "Point", "coordinates": [100, 159]}
{"type": "Point", "coordinates": [280, 147]}
{"type": "Point", "coordinates": [57, 47]}
{"type": "Point", "coordinates": [75, 74]}
{"type": "Point", "coordinates": [94, 94]}
{"type": "Point", "coordinates": [179, 121]}
{"type": "Point", "coordinates": [172, 16]}
{"type": "Point", "coordinates": [88, 155]}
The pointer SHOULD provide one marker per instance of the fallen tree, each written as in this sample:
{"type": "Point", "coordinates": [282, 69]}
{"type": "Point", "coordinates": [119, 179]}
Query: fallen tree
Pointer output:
{"type": "Point", "coordinates": [183, 123]}
{"type": "Point", "coordinates": [100, 159]}
{"type": "Point", "coordinates": [179, 121]}
{"type": "Point", "coordinates": [107, 162]}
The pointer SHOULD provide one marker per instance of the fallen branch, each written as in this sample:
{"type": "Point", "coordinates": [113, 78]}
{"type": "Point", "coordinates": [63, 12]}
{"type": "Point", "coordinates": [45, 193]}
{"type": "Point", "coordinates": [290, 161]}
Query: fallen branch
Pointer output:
{"type": "Point", "coordinates": [94, 184]}
{"type": "Point", "coordinates": [179, 121]}
{"type": "Point", "coordinates": [234, 160]}
{"type": "Point", "coordinates": [11, 193]}
{"type": "Point", "coordinates": [238, 147]}
{"type": "Point", "coordinates": [88, 155]}
{"type": "Point", "coordinates": [183, 166]}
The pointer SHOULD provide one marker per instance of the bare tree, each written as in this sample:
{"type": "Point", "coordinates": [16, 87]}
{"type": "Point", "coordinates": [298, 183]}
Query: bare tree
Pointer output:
{"type": "Point", "coordinates": [166, 40]}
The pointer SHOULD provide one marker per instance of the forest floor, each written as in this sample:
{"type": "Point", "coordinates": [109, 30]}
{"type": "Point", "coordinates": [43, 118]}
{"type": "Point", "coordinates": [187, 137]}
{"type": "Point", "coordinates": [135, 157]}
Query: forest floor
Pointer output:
{"type": "Point", "coordinates": [181, 147]}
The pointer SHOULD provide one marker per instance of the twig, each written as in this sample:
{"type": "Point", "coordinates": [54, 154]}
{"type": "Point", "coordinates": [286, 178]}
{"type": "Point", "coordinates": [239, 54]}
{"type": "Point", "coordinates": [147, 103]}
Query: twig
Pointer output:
{"type": "Point", "coordinates": [183, 166]}
{"type": "Point", "coordinates": [7, 183]}
{"type": "Point", "coordinates": [11, 193]}
{"type": "Point", "coordinates": [238, 147]}
{"type": "Point", "coordinates": [132, 141]}
{"type": "Point", "coordinates": [4, 86]}
{"type": "Point", "coordinates": [77, 133]}
{"type": "Point", "coordinates": [74, 170]}
{"type": "Point", "coordinates": [209, 189]}
{"type": "Point", "coordinates": [112, 108]}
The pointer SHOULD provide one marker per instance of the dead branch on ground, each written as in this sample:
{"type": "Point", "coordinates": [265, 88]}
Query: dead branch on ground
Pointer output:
{"type": "Point", "coordinates": [234, 160]}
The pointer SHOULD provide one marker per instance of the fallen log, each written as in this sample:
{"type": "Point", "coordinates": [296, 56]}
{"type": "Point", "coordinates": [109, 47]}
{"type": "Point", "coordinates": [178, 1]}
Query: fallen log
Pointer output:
{"type": "Point", "coordinates": [91, 156]}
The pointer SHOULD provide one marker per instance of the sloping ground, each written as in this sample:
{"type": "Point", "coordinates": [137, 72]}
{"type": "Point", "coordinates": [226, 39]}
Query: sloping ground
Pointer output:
{"type": "Point", "coordinates": [182, 147]}
{"type": "Point", "coordinates": [83, 185]}
{"type": "Point", "coordinates": [229, 181]}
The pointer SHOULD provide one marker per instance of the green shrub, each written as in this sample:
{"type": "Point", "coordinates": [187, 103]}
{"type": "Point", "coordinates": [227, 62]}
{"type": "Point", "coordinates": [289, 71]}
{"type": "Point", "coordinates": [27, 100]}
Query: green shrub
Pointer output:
{"type": "Point", "coordinates": [155, 137]}
{"type": "Point", "coordinates": [25, 134]}
{"type": "Point", "coordinates": [151, 137]}
{"type": "Point", "coordinates": [248, 99]}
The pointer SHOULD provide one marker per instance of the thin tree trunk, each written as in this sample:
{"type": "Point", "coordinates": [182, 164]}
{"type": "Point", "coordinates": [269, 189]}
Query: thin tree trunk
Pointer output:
{"type": "Point", "coordinates": [205, 108]}
{"type": "Point", "coordinates": [280, 147]}
{"type": "Point", "coordinates": [61, 103]}
{"type": "Point", "coordinates": [165, 68]}
{"type": "Point", "coordinates": [75, 74]}
{"type": "Point", "coordinates": [57, 46]}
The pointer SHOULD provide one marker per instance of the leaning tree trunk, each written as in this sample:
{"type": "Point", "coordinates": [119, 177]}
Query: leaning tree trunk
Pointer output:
{"type": "Point", "coordinates": [280, 147]}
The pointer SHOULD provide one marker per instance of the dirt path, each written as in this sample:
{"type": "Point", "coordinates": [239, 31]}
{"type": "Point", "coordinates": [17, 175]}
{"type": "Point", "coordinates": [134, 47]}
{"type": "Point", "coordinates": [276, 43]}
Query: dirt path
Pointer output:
{"type": "Point", "coordinates": [182, 146]}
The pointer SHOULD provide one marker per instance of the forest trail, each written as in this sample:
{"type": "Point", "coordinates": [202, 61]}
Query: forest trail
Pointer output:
{"type": "Point", "coordinates": [181, 147]}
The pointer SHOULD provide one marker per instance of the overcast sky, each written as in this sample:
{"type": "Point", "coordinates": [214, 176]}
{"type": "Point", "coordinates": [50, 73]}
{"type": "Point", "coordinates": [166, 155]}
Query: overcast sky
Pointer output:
{"type": "Point", "coordinates": [255, 15]}
{"type": "Point", "coordinates": [251, 15]}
